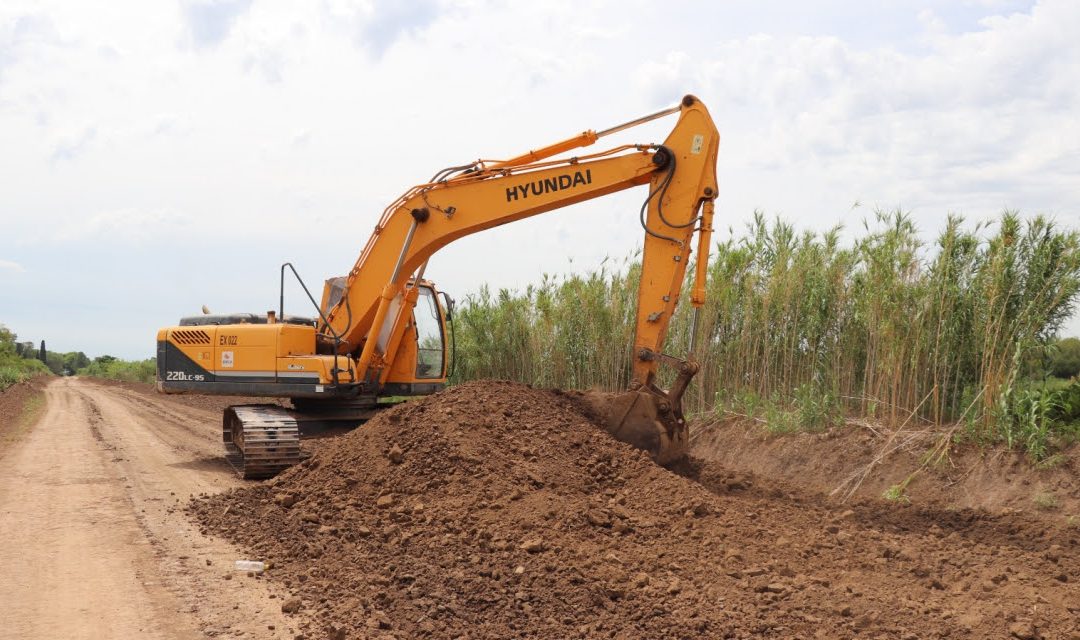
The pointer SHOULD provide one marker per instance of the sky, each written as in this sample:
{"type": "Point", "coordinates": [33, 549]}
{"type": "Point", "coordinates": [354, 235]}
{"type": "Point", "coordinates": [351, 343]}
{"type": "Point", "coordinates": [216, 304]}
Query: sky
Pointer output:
{"type": "Point", "coordinates": [157, 156]}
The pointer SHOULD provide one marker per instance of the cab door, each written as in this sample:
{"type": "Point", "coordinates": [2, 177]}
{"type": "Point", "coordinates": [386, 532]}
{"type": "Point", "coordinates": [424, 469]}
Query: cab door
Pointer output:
{"type": "Point", "coordinates": [430, 336]}
{"type": "Point", "coordinates": [420, 358]}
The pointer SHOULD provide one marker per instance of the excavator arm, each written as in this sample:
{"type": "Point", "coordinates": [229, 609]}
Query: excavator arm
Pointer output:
{"type": "Point", "coordinates": [370, 315]}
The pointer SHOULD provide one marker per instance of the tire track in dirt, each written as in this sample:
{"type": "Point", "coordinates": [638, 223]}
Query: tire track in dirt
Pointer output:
{"type": "Point", "coordinates": [98, 547]}
{"type": "Point", "coordinates": [194, 434]}
{"type": "Point", "coordinates": [69, 569]}
{"type": "Point", "coordinates": [167, 459]}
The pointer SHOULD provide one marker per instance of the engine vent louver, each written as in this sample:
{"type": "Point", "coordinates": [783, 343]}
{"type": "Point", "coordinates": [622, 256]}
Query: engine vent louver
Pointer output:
{"type": "Point", "coordinates": [188, 336]}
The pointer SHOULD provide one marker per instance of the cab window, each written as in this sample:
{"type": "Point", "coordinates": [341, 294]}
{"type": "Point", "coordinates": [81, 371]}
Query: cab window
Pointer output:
{"type": "Point", "coordinates": [429, 335]}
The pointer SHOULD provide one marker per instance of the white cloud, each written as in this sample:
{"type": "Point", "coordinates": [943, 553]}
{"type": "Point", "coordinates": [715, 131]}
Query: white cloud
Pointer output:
{"type": "Point", "coordinates": [209, 21]}
{"type": "Point", "coordinates": [11, 265]}
{"type": "Point", "coordinates": [977, 122]}
{"type": "Point", "coordinates": [71, 146]}
{"type": "Point", "coordinates": [672, 76]}
{"type": "Point", "coordinates": [291, 127]}
{"type": "Point", "coordinates": [117, 228]}
{"type": "Point", "coordinates": [23, 33]}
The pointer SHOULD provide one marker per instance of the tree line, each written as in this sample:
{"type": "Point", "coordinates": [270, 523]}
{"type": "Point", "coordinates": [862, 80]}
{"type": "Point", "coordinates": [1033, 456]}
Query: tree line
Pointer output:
{"type": "Point", "coordinates": [22, 359]}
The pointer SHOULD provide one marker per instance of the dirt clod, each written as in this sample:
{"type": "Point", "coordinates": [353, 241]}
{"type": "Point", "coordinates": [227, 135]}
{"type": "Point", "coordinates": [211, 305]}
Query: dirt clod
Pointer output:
{"type": "Point", "coordinates": [1023, 630]}
{"type": "Point", "coordinates": [533, 545]}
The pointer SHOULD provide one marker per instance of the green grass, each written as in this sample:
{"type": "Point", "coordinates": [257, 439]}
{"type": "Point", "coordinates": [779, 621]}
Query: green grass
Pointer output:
{"type": "Point", "coordinates": [897, 493]}
{"type": "Point", "coordinates": [1051, 462]}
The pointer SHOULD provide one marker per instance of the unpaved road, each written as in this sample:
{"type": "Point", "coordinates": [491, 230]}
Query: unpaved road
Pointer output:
{"type": "Point", "coordinates": [95, 544]}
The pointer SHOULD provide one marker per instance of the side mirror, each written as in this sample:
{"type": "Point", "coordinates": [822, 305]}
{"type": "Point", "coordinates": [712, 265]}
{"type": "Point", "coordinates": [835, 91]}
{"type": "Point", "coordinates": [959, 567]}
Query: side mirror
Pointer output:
{"type": "Point", "coordinates": [448, 303]}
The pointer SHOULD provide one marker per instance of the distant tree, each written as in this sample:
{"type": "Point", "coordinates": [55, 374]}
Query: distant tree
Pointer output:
{"type": "Point", "coordinates": [55, 362]}
{"type": "Point", "coordinates": [8, 346]}
{"type": "Point", "coordinates": [75, 360]}
{"type": "Point", "coordinates": [1065, 359]}
{"type": "Point", "coordinates": [106, 359]}
{"type": "Point", "coordinates": [42, 354]}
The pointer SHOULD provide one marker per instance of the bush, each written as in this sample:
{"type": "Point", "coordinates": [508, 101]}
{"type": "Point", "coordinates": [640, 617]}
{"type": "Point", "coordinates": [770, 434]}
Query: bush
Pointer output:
{"type": "Point", "coordinates": [1039, 418]}
{"type": "Point", "coordinates": [1065, 359]}
{"type": "Point", "coordinates": [20, 371]}
{"type": "Point", "coordinates": [13, 367]}
{"type": "Point", "coordinates": [111, 368]}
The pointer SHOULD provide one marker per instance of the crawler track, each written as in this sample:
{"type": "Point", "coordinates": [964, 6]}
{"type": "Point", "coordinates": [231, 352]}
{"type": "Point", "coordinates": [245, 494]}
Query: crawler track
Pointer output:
{"type": "Point", "coordinates": [260, 440]}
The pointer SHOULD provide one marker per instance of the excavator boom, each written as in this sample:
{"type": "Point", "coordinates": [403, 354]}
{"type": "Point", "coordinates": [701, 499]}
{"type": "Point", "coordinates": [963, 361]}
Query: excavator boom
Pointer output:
{"type": "Point", "coordinates": [681, 174]}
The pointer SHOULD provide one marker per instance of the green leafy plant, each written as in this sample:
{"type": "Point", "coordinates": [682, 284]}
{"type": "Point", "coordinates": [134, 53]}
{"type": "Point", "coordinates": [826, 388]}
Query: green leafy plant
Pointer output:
{"type": "Point", "coordinates": [112, 368]}
{"type": "Point", "coordinates": [18, 362]}
{"type": "Point", "coordinates": [897, 493]}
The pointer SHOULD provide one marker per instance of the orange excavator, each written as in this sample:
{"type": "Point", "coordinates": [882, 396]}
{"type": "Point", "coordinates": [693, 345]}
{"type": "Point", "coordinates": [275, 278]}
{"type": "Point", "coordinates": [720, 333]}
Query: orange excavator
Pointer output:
{"type": "Point", "coordinates": [380, 331]}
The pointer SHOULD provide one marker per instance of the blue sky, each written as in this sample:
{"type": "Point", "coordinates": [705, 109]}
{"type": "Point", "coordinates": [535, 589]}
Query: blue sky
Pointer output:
{"type": "Point", "coordinates": [159, 156]}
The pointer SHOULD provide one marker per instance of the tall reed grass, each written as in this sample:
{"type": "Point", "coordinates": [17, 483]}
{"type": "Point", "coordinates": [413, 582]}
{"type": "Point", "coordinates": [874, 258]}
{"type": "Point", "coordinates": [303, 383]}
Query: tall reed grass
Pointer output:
{"type": "Point", "coordinates": [885, 325]}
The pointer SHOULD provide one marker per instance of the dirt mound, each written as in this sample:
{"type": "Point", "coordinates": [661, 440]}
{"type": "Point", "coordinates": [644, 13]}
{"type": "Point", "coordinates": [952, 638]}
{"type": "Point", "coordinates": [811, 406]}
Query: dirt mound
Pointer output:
{"type": "Point", "coordinates": [494, 510]}
{"type": "Point", "coordinates": [861, 460]}
{"type": "Point", "coordinates": [20, 405]}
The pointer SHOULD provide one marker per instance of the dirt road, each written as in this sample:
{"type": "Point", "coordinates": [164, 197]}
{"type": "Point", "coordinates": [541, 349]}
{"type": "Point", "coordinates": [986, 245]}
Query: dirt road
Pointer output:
{"type": "Point", "coordinates": [94, 542]}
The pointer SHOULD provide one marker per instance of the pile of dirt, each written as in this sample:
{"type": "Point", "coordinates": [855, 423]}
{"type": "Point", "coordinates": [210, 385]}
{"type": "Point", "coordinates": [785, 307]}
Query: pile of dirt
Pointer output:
{"type": "Point", "coordinates": [862, 460]}
{"type": "Point", "coordinates": [494, 510]}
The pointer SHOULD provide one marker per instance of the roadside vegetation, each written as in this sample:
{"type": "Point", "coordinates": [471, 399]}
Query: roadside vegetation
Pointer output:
{"type": "Point", "coordinates": [14, 368]}
{"type": "Point", "coordinates": [112, 368]}
{"type": "Point", "coordinates": [803, 329]}
{"type": "Point", "coordinates": [21, 360]}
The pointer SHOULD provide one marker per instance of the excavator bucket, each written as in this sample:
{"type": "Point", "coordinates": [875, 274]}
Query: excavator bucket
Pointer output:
{"type": "Point", "coordinates": [647, 416]}
{"type": "Point", "coordinates": [642, 419]}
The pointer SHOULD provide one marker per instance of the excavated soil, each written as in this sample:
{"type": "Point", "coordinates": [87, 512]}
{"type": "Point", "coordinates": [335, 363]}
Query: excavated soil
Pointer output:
{"type": "Point", "coordinates": [494, 510]}
{"type": "Point", "coordinates": [862, 461]}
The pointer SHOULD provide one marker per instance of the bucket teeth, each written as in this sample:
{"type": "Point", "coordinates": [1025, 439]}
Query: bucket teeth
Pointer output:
{"type": "Point", "coordinates": [260, 440]}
